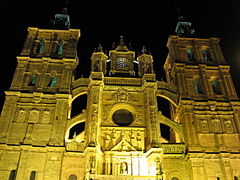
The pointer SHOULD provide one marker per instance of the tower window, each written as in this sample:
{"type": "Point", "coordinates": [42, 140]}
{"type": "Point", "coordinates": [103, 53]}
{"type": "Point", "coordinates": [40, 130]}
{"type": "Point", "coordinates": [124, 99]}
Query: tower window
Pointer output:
{"type": "Point", "coordinates": [189, 51]}
{"type": "Point", "coordinates": [33, 81]}
{"type": "Point", "coordinates": [218, 178]}
{"type": "Point", "coordinates": [174, 178]}
{"type": "Point", "coordinates": [72, 177]}
{"type": "Point", "coordinates": [40, 47]}
{"type": "Point", "coordinates": [12, 175]}
{"type": "Point", "coordinates": [206, 54]}
{"type": "Point", "coordinates": [216, 87]}
{"type": "Point", "coordinates": [53, 82]}
{"type": "Point", "coordinates": [235, 178]}
{"type": "Point", "coordinates": [33, 175]}
{"type": "Point", "coordinates": [59, 50]}
{"type": "Point", "coordinates": [197, 87]}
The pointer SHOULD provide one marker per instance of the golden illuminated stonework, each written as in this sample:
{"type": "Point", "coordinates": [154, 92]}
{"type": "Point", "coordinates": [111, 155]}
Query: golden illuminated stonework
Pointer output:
{"type": "Point", "coordinates": [118, 134]}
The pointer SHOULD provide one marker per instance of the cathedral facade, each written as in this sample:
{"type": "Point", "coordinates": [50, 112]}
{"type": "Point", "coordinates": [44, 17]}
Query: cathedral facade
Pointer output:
{"type": "Point", "coordinates": [118, 134]}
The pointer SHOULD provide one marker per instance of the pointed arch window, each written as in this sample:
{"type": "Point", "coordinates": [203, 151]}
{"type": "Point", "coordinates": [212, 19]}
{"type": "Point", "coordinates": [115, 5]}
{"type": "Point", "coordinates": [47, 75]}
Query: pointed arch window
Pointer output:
{"type": "Point", "coordinates": [12, 175]}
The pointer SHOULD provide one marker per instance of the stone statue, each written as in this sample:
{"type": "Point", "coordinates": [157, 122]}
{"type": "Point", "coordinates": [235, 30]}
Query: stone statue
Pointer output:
{"type": "Point", "coordinates": [123, 168]}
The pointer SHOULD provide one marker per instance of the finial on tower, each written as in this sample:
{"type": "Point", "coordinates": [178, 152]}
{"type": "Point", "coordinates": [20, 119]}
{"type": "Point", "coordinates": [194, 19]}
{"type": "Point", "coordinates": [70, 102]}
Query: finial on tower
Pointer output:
{"type": "Point", "coordinates": [121, 46]}
{"type": "Point", "coordinates": [100, 49]}
{"type": "Point", "coordinates": [144, 50]}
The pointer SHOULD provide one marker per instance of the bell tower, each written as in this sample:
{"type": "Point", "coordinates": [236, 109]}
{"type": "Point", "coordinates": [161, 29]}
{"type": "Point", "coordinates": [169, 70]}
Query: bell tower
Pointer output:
{"type": "Point", "coordinates": [36, 105]}
{"type": "Point", "coordinates": [209, 107]}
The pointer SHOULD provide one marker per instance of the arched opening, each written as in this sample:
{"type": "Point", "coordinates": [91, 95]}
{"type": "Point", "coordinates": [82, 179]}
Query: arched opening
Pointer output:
{"type": "Point", "coordinates": [33, 175]}
{"type": "Point", "coordinates": [78, 105]}
{"type": "Point", "coordinates": [76, 132]}
{"type": "Point", "coordinates": [72, 177]}
{"type": "Point", "coordinates": [12, 175]}
{"type": "Point", "coordinates": [174, 178]}
{"type": "Point", "coordinates": [169, 135]}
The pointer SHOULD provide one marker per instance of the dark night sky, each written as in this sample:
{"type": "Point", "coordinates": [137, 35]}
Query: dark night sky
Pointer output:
{"type": "Point", "coordinates": [141, 23]}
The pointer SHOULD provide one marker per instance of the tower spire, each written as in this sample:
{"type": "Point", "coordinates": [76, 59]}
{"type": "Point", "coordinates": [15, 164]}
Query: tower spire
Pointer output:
{"type": "Point", "coordinates": [121, 46]}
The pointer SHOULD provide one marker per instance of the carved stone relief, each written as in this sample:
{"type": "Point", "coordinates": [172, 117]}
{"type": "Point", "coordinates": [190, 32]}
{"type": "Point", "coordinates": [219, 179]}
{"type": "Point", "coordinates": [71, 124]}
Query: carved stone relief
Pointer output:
{"type": "Point", "coordinates": [122, 95]}
{"type": "Point", "coordinates": [215, 124]}
{"type": "Point", "coordinates": [228, 125]}
{"type": "Point", "coordinates": [33, 116]}
{"type": "Point", "coordinates": [119, 139]}
{"type": "Point", "coordinates": [46, 116]}
{"type": "Point", "coordinates": [21, 115]}
{"type": "Point", "coordinates": [203, 124]}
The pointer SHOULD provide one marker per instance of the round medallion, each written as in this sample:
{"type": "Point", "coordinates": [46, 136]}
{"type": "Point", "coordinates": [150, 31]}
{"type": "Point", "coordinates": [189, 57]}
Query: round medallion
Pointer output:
{"type": "Point", "coordinates": [122, 117]}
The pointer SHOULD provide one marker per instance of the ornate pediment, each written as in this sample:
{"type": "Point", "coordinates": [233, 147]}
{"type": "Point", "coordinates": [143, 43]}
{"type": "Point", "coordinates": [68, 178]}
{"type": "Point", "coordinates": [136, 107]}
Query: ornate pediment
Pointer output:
{"type": "Point", "coordinates": [123, 145]}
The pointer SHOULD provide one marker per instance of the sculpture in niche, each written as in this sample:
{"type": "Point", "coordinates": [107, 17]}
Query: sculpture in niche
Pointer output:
{"type": "Point", "coordinates": [96, 66]}
{"type": "Point", "coordinates": [122, 95]}
{"type": "Point", "coordinates": [123, 168]}
{"type": "Point", "coordinates": [148, 67]}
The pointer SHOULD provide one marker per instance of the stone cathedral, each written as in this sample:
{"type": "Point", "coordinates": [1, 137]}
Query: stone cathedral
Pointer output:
{"type": "Point", "coordinates": [119, 134]}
